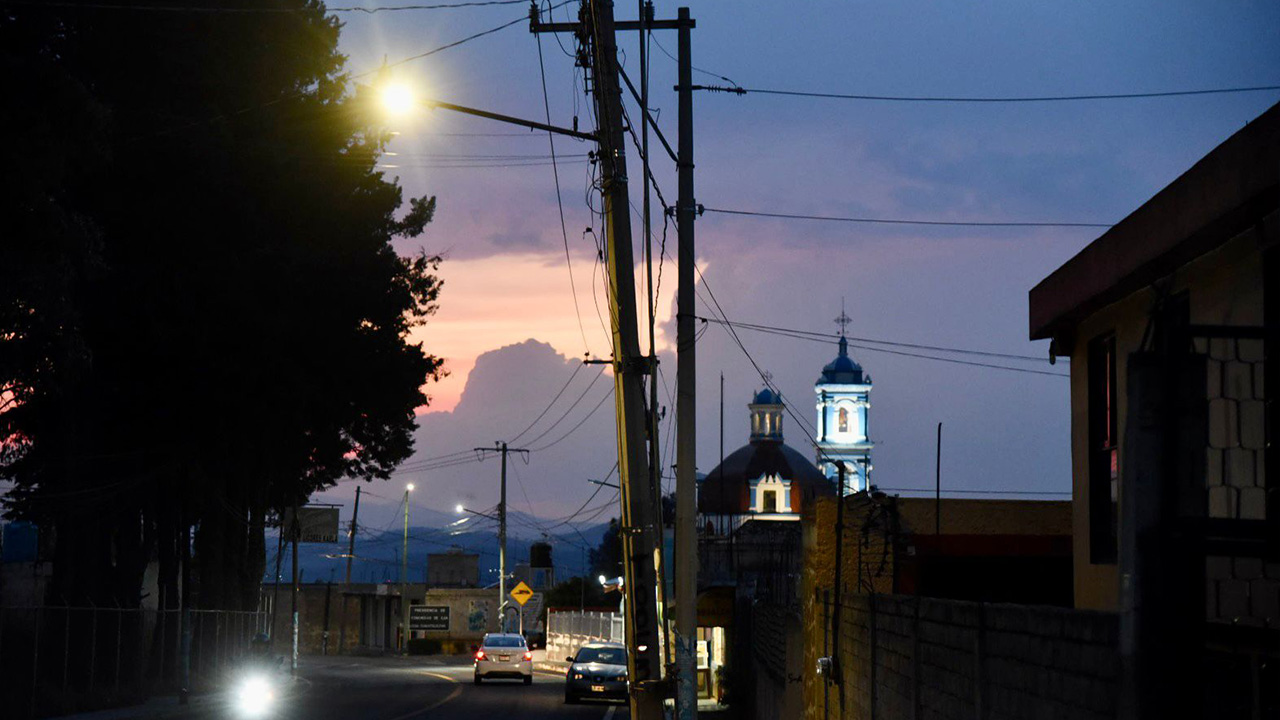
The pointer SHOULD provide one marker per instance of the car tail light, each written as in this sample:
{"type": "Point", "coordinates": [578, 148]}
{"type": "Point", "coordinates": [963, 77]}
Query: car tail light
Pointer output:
{"type": "Point", "coordinates": [528, 656]}
{"type": "Point", "coordinates": [479, 654]}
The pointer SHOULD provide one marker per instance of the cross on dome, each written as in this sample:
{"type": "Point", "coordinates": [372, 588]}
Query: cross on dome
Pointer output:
{"type": "Point", "coordinates": [844, 320]}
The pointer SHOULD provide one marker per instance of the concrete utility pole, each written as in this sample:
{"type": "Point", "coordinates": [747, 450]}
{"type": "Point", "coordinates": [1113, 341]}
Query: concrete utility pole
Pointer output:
{"type": "Point", "coordinates": [686, 398]}
{"type": "Point", "coordinates": [502, 449]}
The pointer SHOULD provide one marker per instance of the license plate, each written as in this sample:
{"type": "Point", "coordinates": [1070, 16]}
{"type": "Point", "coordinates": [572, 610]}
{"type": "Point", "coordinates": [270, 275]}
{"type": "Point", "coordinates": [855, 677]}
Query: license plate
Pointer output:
{"type": "Point", "coordinates": [597, 688]}
{"type": "Point", "coordinates": [504, 658]}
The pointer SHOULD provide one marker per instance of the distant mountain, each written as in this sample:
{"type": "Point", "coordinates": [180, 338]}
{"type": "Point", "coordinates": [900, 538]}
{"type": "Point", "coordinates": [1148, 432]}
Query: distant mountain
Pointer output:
{"type": "Point", "coordinates": [377, 551]}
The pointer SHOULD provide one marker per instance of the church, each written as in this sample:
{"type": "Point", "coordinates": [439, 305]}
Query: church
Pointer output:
{"type": "Point", "coordinates": [768, 480]}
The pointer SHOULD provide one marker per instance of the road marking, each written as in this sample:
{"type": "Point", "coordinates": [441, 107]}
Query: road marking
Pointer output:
{"type": "Point", "coordinates": [608, 714]}
{"type": "Point", "coordinates": [457, 690]}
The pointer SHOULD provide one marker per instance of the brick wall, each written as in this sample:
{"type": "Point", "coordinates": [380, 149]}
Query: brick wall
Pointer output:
{"type": "Point", "coordinates": [928, 659]}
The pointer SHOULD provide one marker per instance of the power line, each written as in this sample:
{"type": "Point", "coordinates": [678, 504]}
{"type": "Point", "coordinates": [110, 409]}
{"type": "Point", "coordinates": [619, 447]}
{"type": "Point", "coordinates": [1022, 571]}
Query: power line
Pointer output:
{"type": "Point", "coordinates": [577, 368]}
{"type": "Point", "coordinates": [738, 90]}
{"type": "Point", "coordinates": [209, 10]}
{"type": "Point", "coordinates": [568, 410]}
{"type": "Point", "coordinates": [902, 221]}
{"type": "Point", "coordinates": [825, 340]}
{"type": "Point", "coordinates": [564, 232]}
{"type": "Point", "coordinates": [469, 38]}
{"type": "Point", "coordinates": [834, 337]}
{"type": "Point", "coordinates": [581, 422]}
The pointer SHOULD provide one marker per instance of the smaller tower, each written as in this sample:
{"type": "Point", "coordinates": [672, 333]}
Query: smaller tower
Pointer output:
{"type": "Point", "coordinates": [766, 416]}
{"type": "Point", "coordinates": [843, 404]}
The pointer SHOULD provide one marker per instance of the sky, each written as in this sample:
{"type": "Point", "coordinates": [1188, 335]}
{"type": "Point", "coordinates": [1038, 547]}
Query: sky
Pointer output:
{"type": "Point", "coordinates": [508, 327]}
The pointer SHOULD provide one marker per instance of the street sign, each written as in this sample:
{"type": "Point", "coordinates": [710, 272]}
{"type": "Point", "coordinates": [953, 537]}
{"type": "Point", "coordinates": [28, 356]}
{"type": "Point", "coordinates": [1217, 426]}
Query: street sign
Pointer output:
{"type": "Point", "coordinates": [315, 524]}
{"type": "Point", "coordinates": [429, 617]}
{"type": "Point", "coordinates": [521, 593]}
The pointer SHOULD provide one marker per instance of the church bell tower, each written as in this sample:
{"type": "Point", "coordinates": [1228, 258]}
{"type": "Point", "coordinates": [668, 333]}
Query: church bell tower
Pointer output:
{"type": "Point", "coordinates": [843, 403]}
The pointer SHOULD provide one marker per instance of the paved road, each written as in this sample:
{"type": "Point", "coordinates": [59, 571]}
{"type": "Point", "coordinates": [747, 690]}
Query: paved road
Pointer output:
{"type": "Point", "coordinates": [420, 689]}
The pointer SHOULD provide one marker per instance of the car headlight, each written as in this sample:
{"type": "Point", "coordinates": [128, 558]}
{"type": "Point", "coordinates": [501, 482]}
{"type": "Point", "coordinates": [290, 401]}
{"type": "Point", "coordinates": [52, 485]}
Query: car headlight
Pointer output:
{"type": "Point", "coordinates": [255, 697]}
{"type": "Point", "coordinates": [577, 676]}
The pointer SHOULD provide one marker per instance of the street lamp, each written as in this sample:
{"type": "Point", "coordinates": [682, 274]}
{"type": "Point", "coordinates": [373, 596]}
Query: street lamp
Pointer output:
{"type": "Point", "coordinates": [397, 98]}
{"type": "Point", "coordinates": [404, 577]}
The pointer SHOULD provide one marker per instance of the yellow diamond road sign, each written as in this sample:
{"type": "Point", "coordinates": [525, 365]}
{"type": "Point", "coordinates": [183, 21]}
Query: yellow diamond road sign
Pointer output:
{"type": "Point", "coordinates": [521, 593]}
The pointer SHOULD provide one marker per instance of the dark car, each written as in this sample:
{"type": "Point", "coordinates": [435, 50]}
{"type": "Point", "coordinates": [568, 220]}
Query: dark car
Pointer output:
{"type": "Point", "coordinates": [599, 670]}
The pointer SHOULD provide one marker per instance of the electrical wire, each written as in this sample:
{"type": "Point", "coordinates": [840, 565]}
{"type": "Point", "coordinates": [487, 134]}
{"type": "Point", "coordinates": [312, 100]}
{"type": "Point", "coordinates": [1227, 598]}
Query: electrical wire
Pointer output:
{"type": "Point", "coordinates": [569, 409]}
{"type": "Point", "coordinates": [739, 90]}
{"type": "Point", "coordinates": [581, 422]}
{"type": "Point", "coordinates": [904, 221]}
{"type": "Point", "coordinates": [208, 10]}
{"type": "Point", "coordinates": [564, 232]}
{"type": "Point", "coordinates": [835, 337]}
{"type": "Point", "coordinates": [903, 353]}
{"type": "Point", "coordinates": [576, 369]}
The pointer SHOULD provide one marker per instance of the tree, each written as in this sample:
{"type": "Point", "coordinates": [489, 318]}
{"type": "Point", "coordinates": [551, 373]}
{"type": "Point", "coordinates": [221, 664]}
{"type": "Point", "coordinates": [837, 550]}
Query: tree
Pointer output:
{"type": "Point", "coordinates": [606, 558]}
{"type": "Point", "coordinates": [211, 322]}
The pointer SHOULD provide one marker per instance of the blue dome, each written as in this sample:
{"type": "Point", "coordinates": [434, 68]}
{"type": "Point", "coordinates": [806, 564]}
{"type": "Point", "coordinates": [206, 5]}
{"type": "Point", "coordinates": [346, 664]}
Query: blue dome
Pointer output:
{"type": "Point", "coordinates": [843, 370]}
{"type": "Point", "coordinates": [767, 397]}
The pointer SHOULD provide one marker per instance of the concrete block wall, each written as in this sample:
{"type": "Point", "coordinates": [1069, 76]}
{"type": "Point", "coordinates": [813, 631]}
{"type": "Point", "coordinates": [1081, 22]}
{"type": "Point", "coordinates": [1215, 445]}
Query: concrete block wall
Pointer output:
{"type": "Point", "coordinates": [930, 659]}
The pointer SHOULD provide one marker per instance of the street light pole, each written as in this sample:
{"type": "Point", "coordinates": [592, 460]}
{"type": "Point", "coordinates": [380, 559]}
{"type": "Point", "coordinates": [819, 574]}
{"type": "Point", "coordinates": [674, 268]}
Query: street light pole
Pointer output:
{"type": "Point", "coordinates": [404, 578]}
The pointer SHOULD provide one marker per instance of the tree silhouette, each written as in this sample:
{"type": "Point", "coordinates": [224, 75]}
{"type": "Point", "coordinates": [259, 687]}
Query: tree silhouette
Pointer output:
{"type": "Point", "coordinates": [203, 317]}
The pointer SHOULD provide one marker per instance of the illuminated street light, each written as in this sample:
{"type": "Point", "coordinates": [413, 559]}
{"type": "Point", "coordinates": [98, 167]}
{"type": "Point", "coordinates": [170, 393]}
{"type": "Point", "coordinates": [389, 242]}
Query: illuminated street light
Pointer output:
{"type": "Point", "coordinates": [397, 99]}
{"type": "Point", "coordinates": [459, 509]}
{"type": "Point", "coordinates": [404, 577]}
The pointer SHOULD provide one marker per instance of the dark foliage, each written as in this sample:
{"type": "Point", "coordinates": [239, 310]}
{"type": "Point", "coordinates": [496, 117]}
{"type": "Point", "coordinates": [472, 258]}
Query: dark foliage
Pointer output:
{"type": "Point", "coordinates": [606, 558]}
{"type": "Point", "coordinates": [202, 319]}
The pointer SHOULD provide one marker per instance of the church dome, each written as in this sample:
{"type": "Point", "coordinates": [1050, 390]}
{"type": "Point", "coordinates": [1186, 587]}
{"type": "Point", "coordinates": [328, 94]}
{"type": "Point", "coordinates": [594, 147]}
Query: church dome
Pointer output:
{"type": "Point", "coordinates": [726, 489]}
{"type": "Point", "coordinates": [843, 370]}
{"type": "Point", "coordinates": [767, 396]}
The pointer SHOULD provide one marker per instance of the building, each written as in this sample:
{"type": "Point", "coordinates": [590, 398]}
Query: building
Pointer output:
{"type": "Point", "coordinates": [1008, 551]}
{"type": "Point", "coordinates": [765, 479]}
{"type": "Point", "coordinates": [844, 403]}
{"type": "Point", "coordinates": [453, 569]}
{"type": "Point", "coordinates": [1168, 319]}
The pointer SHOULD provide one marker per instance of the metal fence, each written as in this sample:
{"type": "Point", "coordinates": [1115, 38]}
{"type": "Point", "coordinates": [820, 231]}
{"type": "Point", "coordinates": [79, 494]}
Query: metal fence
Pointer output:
{"type": "Point", "coordinates": [59, 660]}
{"type": "Point", "coordinates": [569, 631]}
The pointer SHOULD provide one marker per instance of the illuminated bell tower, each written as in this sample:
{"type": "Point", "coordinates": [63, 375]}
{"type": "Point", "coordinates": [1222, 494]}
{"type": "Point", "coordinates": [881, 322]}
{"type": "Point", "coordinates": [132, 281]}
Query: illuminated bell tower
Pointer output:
{"type": "Point", "coordinates": [843, 403]}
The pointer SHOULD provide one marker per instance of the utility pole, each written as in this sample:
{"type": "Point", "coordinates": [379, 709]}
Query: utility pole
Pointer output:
{"type": "Point", "coordinates": [502, 449]}
{"type": "Point", "coordinates": [686, 398]}
{"type": "Point", "coordinates": [293, 535]}
{"type": "Point", "coordinates": [346, 585]}
{"type": "Point", "coordinates": [595, 32]}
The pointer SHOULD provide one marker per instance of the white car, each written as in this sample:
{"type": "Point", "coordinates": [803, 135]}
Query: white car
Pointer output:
{"type": "Point", "coordinates": [504, 655]}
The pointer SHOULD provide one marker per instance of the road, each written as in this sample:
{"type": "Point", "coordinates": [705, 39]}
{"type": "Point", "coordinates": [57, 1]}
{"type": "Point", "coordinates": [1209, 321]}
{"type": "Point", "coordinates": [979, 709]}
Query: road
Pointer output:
{"type": "Point", "coordinates": [356, 688]}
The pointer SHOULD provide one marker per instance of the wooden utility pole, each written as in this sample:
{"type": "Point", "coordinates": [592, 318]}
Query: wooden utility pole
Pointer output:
{"type": "Point", "coordinates": [639, 517]}
{"type": "Point", "coordinates": [346, 585]}
{"type": "Point", "coordinates": [686, 398]}
{"type": "Point", "coordinates": [595, 32]}
{"type": "Point", "coordinates": [502, 449]}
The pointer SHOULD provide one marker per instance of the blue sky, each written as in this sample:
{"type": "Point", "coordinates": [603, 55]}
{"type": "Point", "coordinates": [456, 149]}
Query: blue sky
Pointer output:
{"type": "Point", "coordinates": [505, 275]}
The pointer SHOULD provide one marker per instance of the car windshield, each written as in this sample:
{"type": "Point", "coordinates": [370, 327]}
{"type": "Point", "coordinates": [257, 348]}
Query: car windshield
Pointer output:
{"type": "Point", "coordinates": [504, 641]}
{"type": "Point", "coordinates": [605, 655]}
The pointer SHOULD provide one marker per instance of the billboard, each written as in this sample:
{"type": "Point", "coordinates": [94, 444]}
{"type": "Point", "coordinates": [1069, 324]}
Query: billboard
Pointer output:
{"type": "Point", "coordinates": [316, 524]}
